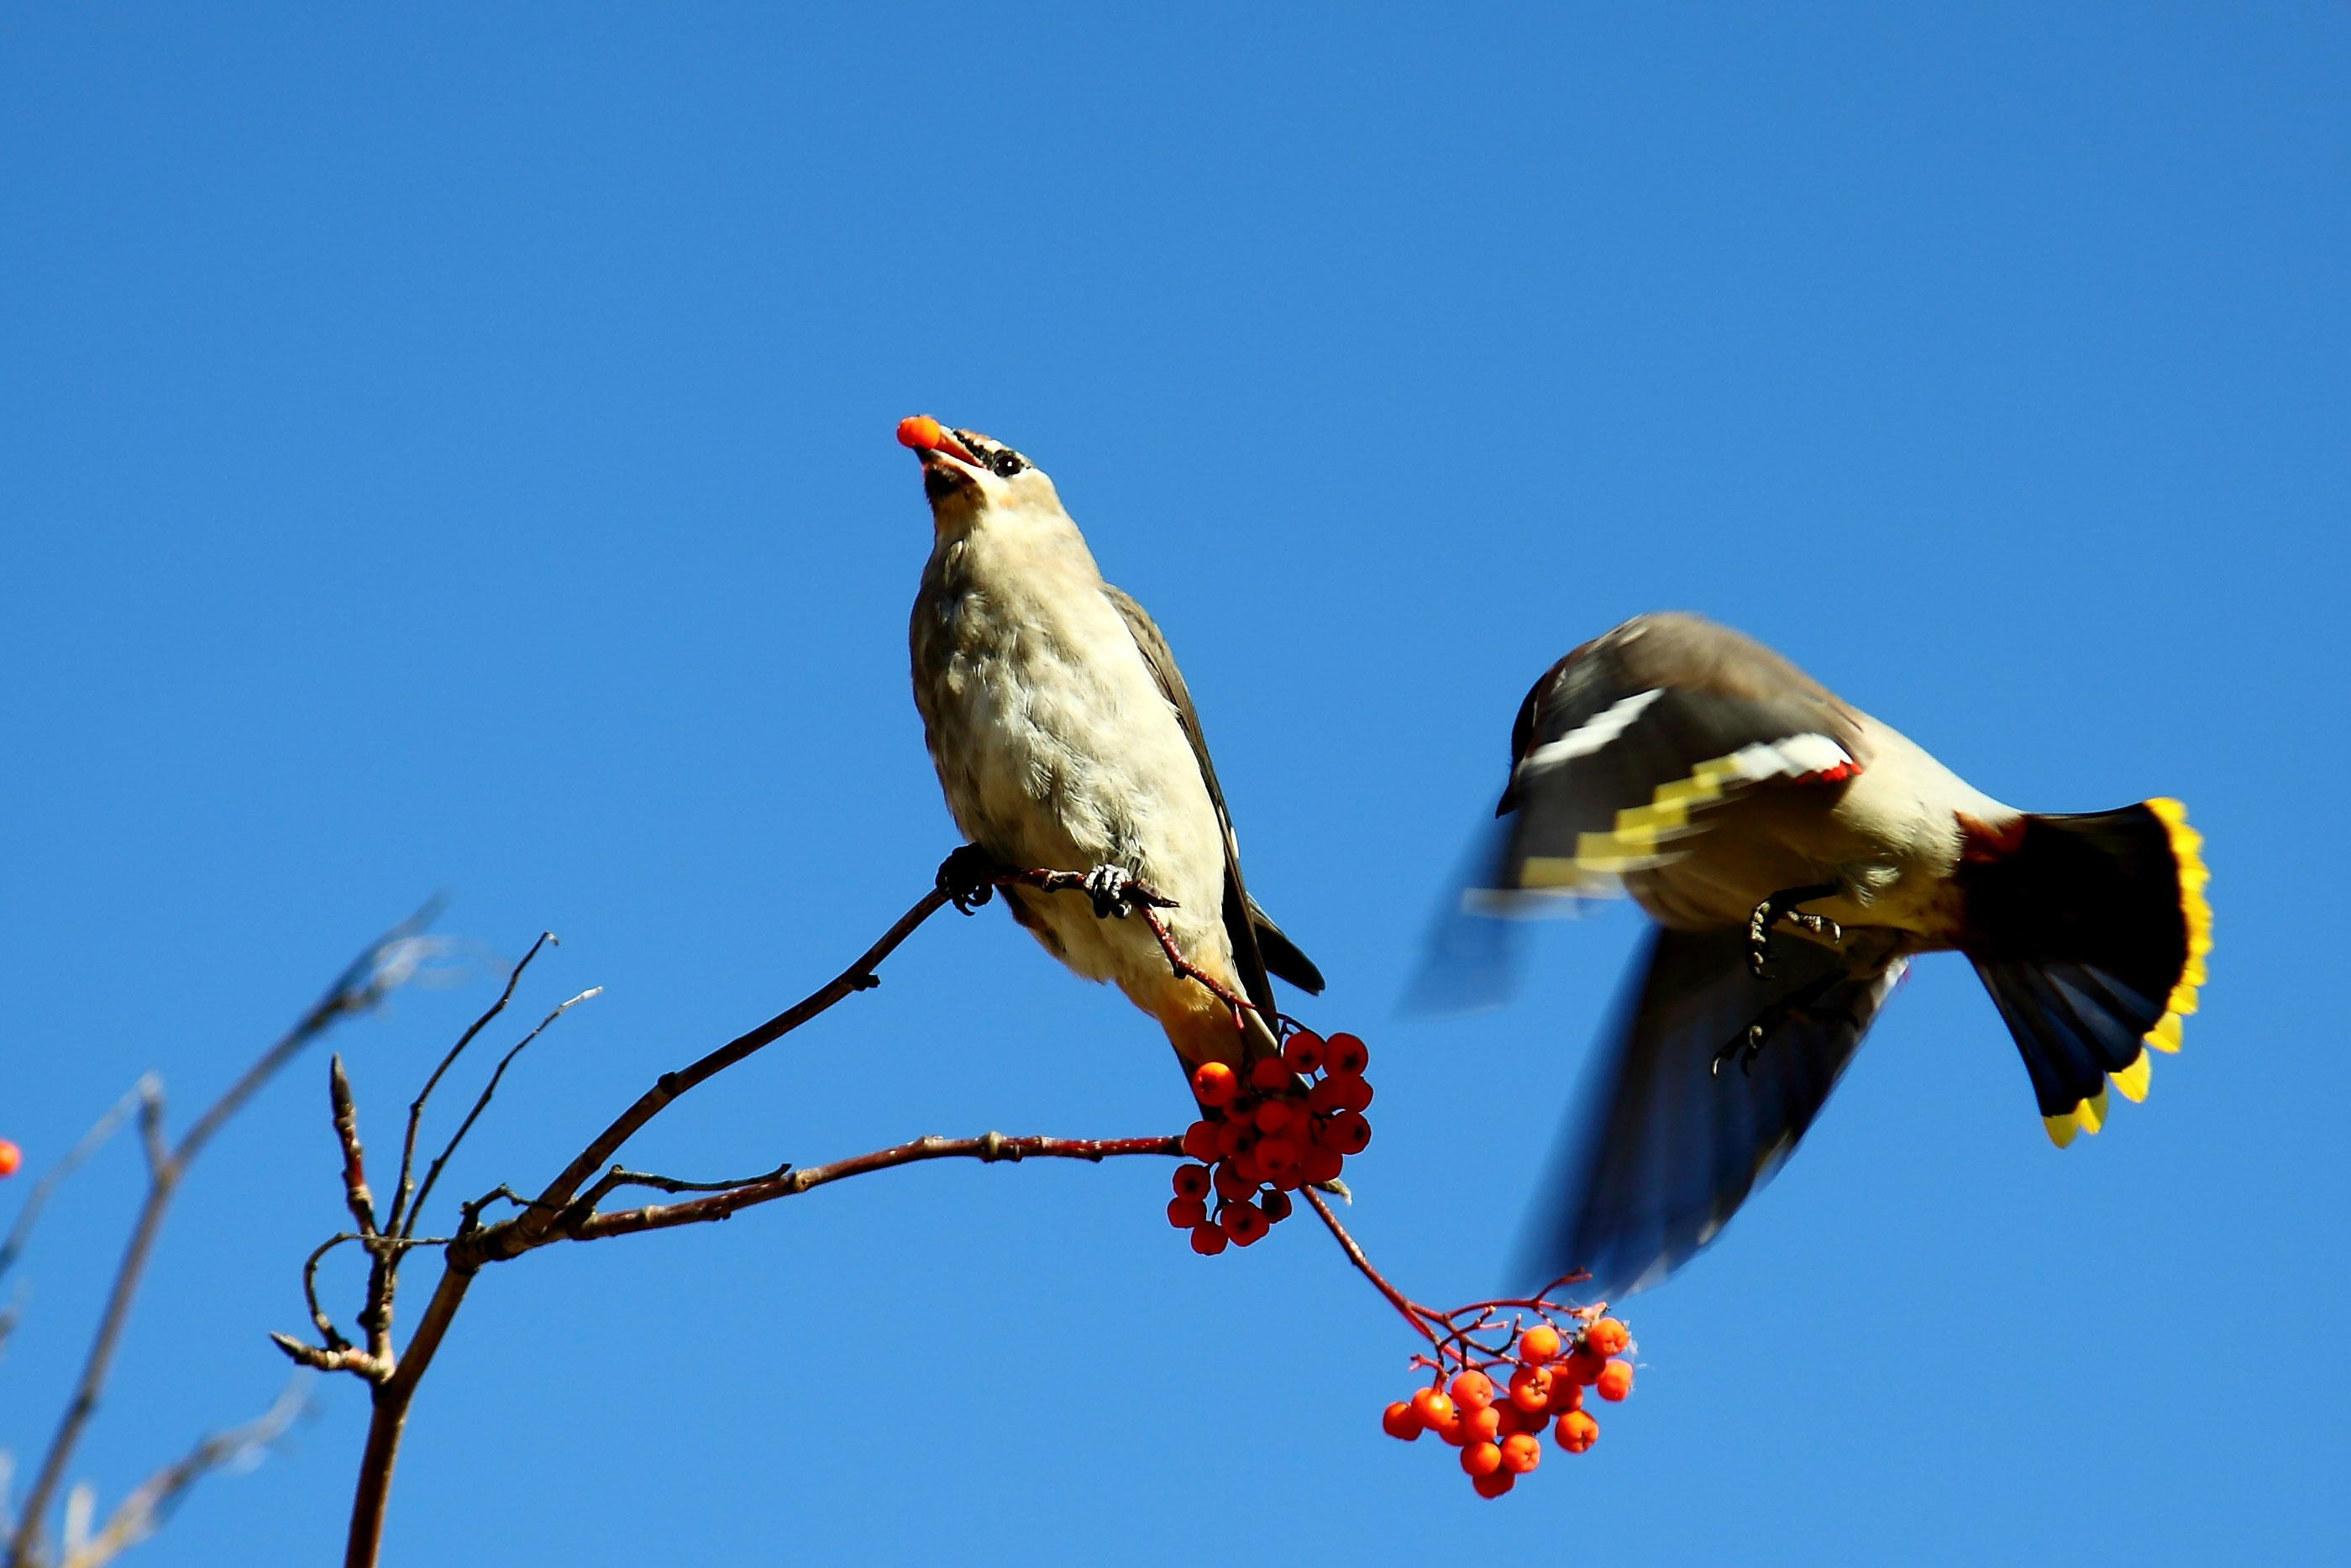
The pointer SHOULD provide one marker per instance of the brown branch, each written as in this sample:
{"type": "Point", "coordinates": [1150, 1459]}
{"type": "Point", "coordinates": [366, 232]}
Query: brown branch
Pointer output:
{"type": "Point", "coordinates": [988, 1147]}
{"type": "Point", "coordinates": [142, 1513]}
{"type": "Point", "coordinates": [20, 1233]}
{"type": "Point", "coordinates": [356, 1196]}
{"type": "Point", "coordinates": [385, 963]}
{"type": "Point", "coordinates": [416, 1106]}
{"type": "Point", "coordinates": [481, 1103]}
{"type": "Point", "coordinates": [1415, 1314]}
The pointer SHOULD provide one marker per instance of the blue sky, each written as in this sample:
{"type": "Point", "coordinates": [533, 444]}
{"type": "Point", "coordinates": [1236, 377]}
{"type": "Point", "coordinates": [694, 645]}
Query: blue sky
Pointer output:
{"type": "Point", "coordinates": [442, 450]}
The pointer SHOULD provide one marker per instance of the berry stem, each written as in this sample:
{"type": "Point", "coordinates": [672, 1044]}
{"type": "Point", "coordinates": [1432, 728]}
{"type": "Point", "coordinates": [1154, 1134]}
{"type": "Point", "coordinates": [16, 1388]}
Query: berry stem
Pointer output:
{"type": "Point", "coordinates": [1417, 1316]}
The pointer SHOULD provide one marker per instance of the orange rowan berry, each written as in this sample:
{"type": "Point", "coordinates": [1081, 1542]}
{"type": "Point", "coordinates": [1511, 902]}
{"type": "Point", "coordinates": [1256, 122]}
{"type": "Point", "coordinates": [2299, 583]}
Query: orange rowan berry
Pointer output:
{"type": "Point", "coordinates": [1538, 1345]}
{"type": "Point", "coordinates": [1276, 1206]}
{"type": "Point", "coordinates": [1481, 1458]}
{"type": "Point", "coordinates": [1521, 1454]}
{"type": "Point", "coordinates": [1302, 1051]}
{"type": "Point", "coordinates": [1319, 1165]}
{"type": "Point", "coordinates": [1482, 1425]}
{"type": "Point", "coordinates": [1614, 1382]}
{"type": "Point", "coordinates": [1584, 1365]}
{"type": "Point", "coordinates": [920, 432]}
{"type": "Point", "coordinates": [1512, 1419]}
{"type": "Point", "coordinates": [1577, 1431]}
{"type": "Point", "coordinates": [1472, 1390]}
{"type": "Point", "coordinates": [1213, 1084]}
{"type": "Point", "coordinates": [1530, 1388]}
{"type": "Point", "coordinates": [1273, 1116]}
{"type": "Point", "coordinates": [1608, 1336]}
{"type": "Point", "coordinates": [1269, 1075]}
{"type": "Point", "coordinates": [1192, 1181]}
{"type": "Point", "coordinates": [1399, 1421]}
{"type": "Point", "coordinates": [1453, 1429]}
{"type": "Point", "coordinates": [1344, 1056]}
{"type": "Point", "coordinates": [1185, 1213]}
{"type": "Point", "coordinates": [1495, 1485]}
{"type": "Point", "coordinates": [1348, 1134]}
{"type": "Point", "coordinates": [1200, 1141]}
{"type": "Point", "coordinates": [1566, 1394]}
{"type": "Point", "coordinates": [1432, 1407]}
{"type": "Point", "coordinates": [1244, 1222]}
{"type": "Point", "coordinates": [1208, 1239]}
{"type": "Point", "coordinates": [12, 1158]}
{"type": "Point", "coordinates": [1534, 1426]}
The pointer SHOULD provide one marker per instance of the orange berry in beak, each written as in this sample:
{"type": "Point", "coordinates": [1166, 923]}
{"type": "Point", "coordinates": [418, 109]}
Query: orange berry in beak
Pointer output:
{"type": "Point", "coordinates": [921, 433]}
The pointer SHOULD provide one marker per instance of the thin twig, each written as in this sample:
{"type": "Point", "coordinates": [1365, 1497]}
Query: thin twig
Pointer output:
{"type": "Point", "coordinates": [21, 1232]}
{"type": "Point", "coordinates": [383, 965]}
{"type": "Point", "coordinates": [481, 1103]}
{"type": "Point", "coordinates": [142, 1513]}
{"type": "Point", "coordinates": [416, 1107]}
{"type": "Point", "coordinates": [1414, 1314]}
{"type": "Point", "coordinates": [356, 1196]}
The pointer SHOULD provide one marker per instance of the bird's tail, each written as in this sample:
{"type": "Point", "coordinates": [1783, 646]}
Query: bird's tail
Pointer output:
{"type": "Point", "coordinates": [2089, 931]}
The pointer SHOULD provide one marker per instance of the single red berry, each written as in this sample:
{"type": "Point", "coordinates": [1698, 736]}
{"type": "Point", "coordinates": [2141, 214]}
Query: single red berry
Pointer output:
{"type": "Point", "coordinates": [1432, 1407]}
{"type": "Point", "coordinates": [1481, 1458]}
{"type": "Point", "coordinates": [12, 1158]}
{"type": "Point", "coordinates": [1530, 1388]}
{"type": "Point", "coordinates": [1212, 1083]}
{"type": "Point", "coordinates": [1353, 1093]}
{"type": "Point", "coordinates": [1538, 1345]}
{"type": "Point", "coordinates": [1472, 1390]}
{"type": "Point", "coordinates": [1232, 1137]}
{"type": "Point", "coordinates": [1278, 1156]}
{"type": "Point", "coordinates": [1269, 1075]}
{"type": "Point", "coordinates": [1207, 1240]}
{"type": "Point", "coordinates": [1577, 1432]}
{"type": "Point", "coordinates": [1191, 1181]}
{"type": "Point", "coordinates": [1302, 1051]}
{"type": "Point", "coordinates": [1521, 1454]}
{"type": "Point", "coordinates": [1276, 1206]}
{"type": "Point", "coordinates": [1185, 1213]}
{"type": "Point", "coordinates": [1251, 1168]}
{"type": "Point", "coordinates": [1323, 1098]}
{"type": "Point", "coordinates": [1398, 1421]}
{"type": "Point", "coordinates": [1200, 1141]}
{"type": "Point", "coordinates": [1274, 1116]}
{"type": "Point", "coordinates": [1608, 1336]}
{"type": "Point", "coordinates": [1614, 1382]}
{"type": "Point", "coordinates": [1348, 1134]}
{"type": "Point", "coordinates": [1244, 1222]}
{"type": "Point", "coordinates": [1495, 1485]}
{"type": "Point", "coordinates": [1320, 1165]}
{"type": "Point", "coordinates": [1344, 1056]}
{"type": "Point", "coordinates": [1230, 1184]}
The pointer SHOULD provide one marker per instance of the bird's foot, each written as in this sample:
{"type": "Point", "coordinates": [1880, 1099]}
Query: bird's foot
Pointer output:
{"type": "Point", "coordinates": [1748, 1043]}
{"type": "Point", "coordinates": [1781, 906]}
{"type": "Point", "coordinates": [1114, 890]}
{"type": "Point", "coordinates": [969, 877]}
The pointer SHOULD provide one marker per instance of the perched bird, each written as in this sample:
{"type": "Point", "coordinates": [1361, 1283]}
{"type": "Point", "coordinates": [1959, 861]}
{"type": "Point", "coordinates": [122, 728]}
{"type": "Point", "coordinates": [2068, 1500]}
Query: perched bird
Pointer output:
{"type": "Point", "coordinates": [1064, 740]}
{"type": "Point", "coordinates": [1793, 853]}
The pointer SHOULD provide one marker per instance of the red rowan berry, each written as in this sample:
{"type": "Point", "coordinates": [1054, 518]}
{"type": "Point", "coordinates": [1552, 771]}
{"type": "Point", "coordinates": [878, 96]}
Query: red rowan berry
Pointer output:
{"type": "Point", "coordinates": [1208, 1239]}
{"type": "Point", "coordinates": [1276, 1206]}
{"type": "Point", "coordinates": [1233, 1136]}
{"type": "Point", "coordinates": [1521, 1454]}
{"type": "Point", "coordinates": [1481, 1459]}
{"type": "Point", "coordinates": [1344, 1056]}
{"type": "Point", "coordinates": [1530, 1388]}
{"type": "Point", "coordinates": [12, 1158]}
{"type": "Point", "coordinates": [1302, 1051]}
{"type": "Point", "coordinates": [1353, 1093]}
{"type": "Point", "coordinates": [1614, 1382]}
{"type": "Point", "coordinates": [1608, 1336]}
{"type": "Point", "coordinates": [1192, 1181]}
{"type": "Point", "coordinates": [1244, 1222]}
{"type": "Point", "coordinates": [1214, 1083]}
{"type": "Point", "coordinates": [1230, 1184]}
{"type": "Point", "coordinates": [1185, 1213]}
{"type": "Point", "coordinates": [1577, 1431]}
{"type": "Point", "coordinates": [1432, 1407]}
{"type": "Point", "coordinates": [1251, 1168]}
{"type": "Point", "coordinates": [1494, 1485]}
{"type": "Point", "coordinates": [1200, 1141]}
{"type": "Point", "coordinates": [1278, 1157]}
{"type": "Point", "coordinates": [1399, 1421]}
{"type": "Point", "coordinates": [1323, 1098]}
{"type": "Point", "coordinates": [1269, 1075]}
{"type": "Point", "coordinates": [1348, 1134]}
{"type": "Point", "coordinates": [1273, 1116]}
{"type": "Point", "coordinates": [1319, 1165]}
{"type": "Point", "coordinates": [1538, 1345]}
{"type": "Point", "coordinates": [1472, 1390]}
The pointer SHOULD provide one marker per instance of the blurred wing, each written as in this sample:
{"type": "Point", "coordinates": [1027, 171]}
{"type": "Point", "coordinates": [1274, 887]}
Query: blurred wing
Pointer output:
{"type": "Point", "coordinates": [1662, 1150]}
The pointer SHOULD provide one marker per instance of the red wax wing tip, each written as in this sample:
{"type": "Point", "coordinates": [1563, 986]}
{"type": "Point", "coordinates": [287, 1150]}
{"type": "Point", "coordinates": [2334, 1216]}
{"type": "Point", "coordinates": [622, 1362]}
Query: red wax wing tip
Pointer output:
{"type": "Point", "coordinates": [11, 1157]}
{"type": "Point", "coordinates": [920, 432]}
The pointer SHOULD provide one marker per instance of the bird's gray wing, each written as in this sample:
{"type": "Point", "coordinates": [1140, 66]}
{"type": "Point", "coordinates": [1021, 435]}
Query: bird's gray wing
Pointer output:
{"type": "Point", "coordinates": [1619, 754]}
{"type": "Point", "coordinates": [1258, 945]}
{"type": "Point", "coordinates": [1661, 1148]}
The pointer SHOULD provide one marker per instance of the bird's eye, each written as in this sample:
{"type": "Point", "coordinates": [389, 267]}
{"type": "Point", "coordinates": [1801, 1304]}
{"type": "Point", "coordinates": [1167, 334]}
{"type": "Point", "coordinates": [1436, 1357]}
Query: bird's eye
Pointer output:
{"type": "Point", "coordinates": [1006, 464]}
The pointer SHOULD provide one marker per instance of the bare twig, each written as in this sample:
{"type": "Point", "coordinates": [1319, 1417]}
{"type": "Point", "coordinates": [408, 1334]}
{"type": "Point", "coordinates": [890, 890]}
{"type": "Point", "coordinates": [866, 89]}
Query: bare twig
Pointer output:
{"type": "Point", "coordinates": [481, 1103]}
{"type": "Point", "coordinates": [142, 1513]}
{"type": "Point", "coordinates": [1416, 1315]}
{"type": "Point", "coordinates": [356, 1196]}
{"type": "Point", "coordinates": [383, 965]}
{"type": "Point", "coordinates": [21, 1232]}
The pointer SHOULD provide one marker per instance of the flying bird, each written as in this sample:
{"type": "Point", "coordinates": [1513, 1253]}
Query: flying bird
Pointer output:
{"type": "Point", "coordinates": [1793, 853]}
{"type": "Point", "coordinates": [1064, 739]}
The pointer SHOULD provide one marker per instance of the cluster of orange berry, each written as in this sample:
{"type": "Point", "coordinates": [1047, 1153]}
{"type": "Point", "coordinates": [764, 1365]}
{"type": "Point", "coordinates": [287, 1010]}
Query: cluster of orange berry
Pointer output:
{"type": "Point", "coordinates": [1499, 1431]}
{"type": "Point", "coordinates": [1259, 1140]}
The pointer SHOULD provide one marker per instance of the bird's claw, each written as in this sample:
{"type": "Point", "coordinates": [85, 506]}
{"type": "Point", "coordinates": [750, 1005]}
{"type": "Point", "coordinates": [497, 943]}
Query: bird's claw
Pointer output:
{"type": "Point", "coordinates": [1746, 1045]}
{"type": "Point", "coordinates": [1781, 906]}
{"type": "Point", "coordinates": [1108, 886]}
{"type": "Point", "coordinates": [969, 877]}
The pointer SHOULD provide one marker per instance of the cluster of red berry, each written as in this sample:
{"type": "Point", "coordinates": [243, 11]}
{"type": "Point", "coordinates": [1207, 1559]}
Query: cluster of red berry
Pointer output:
{"type": "Point", "coordinates": [1258, 1142]}
{"type": "Point", "coordinates": [1499, 1431]}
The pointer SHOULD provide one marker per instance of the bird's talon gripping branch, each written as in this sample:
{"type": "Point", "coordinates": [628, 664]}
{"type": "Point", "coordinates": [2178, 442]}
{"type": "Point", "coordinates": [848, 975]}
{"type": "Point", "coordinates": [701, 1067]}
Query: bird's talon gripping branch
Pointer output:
{"type": "Point", "coordinates": [1781, 906]}
{"type": "Point", "coordinates": [1107, 886]}
{"type": "Point", "coordinates": [969, 877]}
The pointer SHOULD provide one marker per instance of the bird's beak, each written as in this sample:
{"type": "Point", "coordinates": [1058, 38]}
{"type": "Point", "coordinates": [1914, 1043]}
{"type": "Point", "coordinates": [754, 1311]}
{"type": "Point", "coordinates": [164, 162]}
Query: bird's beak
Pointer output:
{"type": "Point", "coordinates": [927, 438]}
